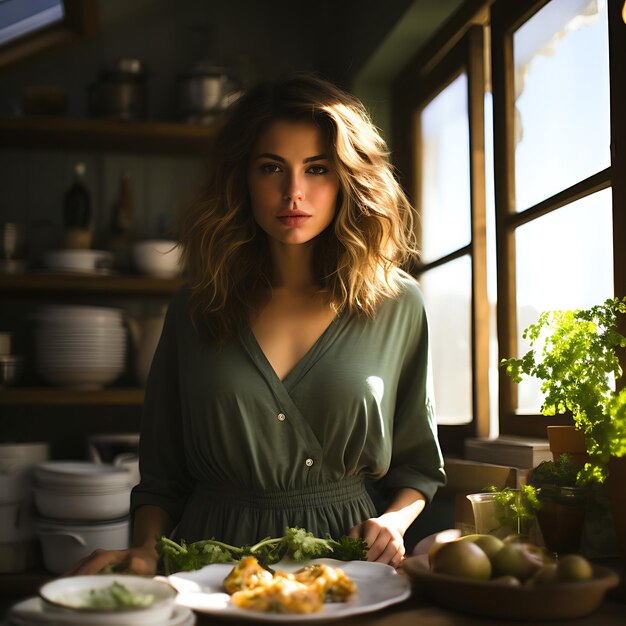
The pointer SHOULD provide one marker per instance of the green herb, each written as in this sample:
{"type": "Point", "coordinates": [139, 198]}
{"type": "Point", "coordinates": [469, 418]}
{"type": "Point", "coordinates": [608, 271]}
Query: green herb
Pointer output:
{"type": "Point", "coordinates": [518, 507]}
{"type": "Point", "coordinates": [117, 596]}
{"type": "Point", "coordinates": [561, 472]}
{"type": "Point", "coordinates": [578, 364]}
{"type": "Point", "coordinates": [297, 544]}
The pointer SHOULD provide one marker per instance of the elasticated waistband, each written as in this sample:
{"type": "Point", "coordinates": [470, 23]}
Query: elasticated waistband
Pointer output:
{"type": "Point", "coordinates": [310, 496]}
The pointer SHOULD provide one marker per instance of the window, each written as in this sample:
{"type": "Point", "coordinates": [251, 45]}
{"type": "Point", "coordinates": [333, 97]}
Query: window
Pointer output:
{"type": "Point", "coordinates": [30, 27]}
{"type": "Point", "coordinates": [547, 202]}
{"type": "Point", "coordinates": [554, 173]}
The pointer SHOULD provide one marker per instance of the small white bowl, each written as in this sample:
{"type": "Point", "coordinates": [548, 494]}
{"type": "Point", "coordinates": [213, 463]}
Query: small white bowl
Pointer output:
{"type": "Point", "coordinates": [78, 260]}
{"type": "Point", "coordinates": [70, 594]}
{"type": "Point", "coordinates": [82, 506]}
{"type": "Point", "coordinates": [159, 258]}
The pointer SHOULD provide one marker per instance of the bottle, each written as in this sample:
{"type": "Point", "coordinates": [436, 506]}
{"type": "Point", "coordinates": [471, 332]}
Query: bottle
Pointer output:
{"type": "Point", "coordinates": [77, 211]}
{"type": "Point", "coordinates": [121, 227]}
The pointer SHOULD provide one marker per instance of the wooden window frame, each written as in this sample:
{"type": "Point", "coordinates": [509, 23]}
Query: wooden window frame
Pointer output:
{"type": "Point", "coordinates": [506, 18]}
{"type": "Point", "coordinates": [79, 23]}
{"type": "Point", "coordinates": [423, 81]}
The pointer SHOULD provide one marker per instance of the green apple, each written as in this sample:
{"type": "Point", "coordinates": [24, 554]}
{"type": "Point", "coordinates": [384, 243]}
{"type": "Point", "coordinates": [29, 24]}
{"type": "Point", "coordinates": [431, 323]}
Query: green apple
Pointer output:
{"type": "Point", "coordinates": [463, 559]}
{"type": "Point", "coordinates": [489, 544]}
{"type": "Point", "coordinates": [521, 560]}
{"type": "Point", "coordinates": [573, 567]}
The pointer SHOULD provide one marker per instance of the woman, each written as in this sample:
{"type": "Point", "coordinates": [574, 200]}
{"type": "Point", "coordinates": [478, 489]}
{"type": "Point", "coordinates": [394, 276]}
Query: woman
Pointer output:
{"type": "Point", "coordinates": [294, 366]}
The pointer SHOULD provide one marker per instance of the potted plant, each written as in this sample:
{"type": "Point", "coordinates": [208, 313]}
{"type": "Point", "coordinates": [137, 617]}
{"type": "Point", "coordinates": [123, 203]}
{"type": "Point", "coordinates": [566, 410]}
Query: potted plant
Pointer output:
{"type": "Point", "coordinates": [507, 511]}
{"type": "Point", "coordinates": [578, 365]}
{"type": "Point", "coordinates": [562, 514]}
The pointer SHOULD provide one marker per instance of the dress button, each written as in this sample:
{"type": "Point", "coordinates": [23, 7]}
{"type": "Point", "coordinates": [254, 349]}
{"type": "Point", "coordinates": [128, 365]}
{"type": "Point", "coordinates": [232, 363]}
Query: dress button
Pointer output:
{"type": "Point", "coordinates": [281, 417]}
{"type": "Point", "coordinates": [308, 462]}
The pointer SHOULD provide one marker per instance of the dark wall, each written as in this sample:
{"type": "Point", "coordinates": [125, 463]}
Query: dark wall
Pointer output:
{"type": "Point", "coordinates": [256, 39]}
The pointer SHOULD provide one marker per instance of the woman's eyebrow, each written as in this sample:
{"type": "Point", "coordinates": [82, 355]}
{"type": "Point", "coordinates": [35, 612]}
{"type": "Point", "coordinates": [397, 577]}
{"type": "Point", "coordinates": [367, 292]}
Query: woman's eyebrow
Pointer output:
{"type": "Point", "coordinates": [275, 157]}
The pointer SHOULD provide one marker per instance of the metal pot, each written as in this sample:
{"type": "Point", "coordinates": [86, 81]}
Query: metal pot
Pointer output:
{"type": "Point", "coordinates": [120, 92]}
{"type": "Point", "coordinates": [204, 92]}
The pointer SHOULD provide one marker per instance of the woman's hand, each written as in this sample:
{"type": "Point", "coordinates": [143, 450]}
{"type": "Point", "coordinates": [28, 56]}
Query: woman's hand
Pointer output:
{"type": "Point", "coordinates": [384, 538]}
{"type": "Point", "coordinates": [385, 534]}
{"type": "Point", "coordinates": [142, 561]}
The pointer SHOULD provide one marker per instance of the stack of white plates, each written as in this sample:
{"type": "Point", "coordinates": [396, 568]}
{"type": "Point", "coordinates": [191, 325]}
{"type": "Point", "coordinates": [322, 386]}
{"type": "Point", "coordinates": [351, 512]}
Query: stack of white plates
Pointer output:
{"type": "Point", "coordinates": [81, 347]}
{"type": "Point", "coordinates": [17, 530]}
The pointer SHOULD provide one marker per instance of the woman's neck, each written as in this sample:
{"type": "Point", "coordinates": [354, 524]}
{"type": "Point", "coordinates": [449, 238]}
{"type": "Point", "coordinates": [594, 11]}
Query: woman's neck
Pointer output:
{"type": "Point", "coordinates": [292, 267]}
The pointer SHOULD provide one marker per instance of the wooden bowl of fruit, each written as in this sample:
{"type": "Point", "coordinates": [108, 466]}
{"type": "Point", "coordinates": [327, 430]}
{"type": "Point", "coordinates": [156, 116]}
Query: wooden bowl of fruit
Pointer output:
{"type": "Point", "coordinates": [510, 579]}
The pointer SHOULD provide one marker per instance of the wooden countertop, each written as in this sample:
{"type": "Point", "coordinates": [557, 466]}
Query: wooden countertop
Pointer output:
{"type": "Point", "coordinates": [418, 610]}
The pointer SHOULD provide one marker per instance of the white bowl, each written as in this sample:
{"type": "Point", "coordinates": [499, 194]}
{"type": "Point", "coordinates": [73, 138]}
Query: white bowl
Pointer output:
{"type": "Point", "coordinates": [87, 506]}
{"type": "Point", "coordinates": [159, 258]}
{"type": "Point", "coordinates": [63, 544]}
{"type": "Point", "coordinates": [80, 260]}
{"type": "Point", "coordinates": [71, 594]}
{"type": "Point", "coordinates": [72, 474]}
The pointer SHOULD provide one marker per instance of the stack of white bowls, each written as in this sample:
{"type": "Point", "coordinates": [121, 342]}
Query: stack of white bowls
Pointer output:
{"type": "Point", "coordinates": [83, 506]}
{"type": "Point", "coordinates": [80, 347]}
{"type": "Point", "coordinates": [18, 548]}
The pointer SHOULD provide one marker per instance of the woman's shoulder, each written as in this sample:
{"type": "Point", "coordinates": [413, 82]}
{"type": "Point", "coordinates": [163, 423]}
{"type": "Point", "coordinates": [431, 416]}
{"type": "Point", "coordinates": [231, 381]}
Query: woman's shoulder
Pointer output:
{"type": "Point", "coordinates": [409, 292]}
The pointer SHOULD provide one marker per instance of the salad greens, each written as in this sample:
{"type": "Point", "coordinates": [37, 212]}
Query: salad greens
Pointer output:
{"type": "Point", "coordinates": [117, 596]}
{"type": "Point", "coordinates": [297, 544]}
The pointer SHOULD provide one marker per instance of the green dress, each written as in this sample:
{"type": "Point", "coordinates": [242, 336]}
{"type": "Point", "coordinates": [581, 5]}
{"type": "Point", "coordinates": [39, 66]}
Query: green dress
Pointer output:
{"type": "Point", "coordinates": [233, 452]}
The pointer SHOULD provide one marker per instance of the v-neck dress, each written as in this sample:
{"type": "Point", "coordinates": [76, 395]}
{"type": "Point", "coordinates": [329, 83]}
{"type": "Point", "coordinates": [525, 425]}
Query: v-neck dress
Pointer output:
{"type": "Point", "coordinates": [231, 451]}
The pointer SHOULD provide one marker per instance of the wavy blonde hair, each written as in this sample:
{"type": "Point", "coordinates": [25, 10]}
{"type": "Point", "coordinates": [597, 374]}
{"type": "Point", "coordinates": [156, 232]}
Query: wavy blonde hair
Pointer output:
{"type": "Point", "coordinates": [358, 257]}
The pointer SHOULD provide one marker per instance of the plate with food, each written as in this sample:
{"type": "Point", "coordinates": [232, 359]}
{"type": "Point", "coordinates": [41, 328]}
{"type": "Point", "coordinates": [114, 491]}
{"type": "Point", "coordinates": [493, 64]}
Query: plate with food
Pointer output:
{"type": "Point", "coordinates": [482, 575]}
{"type": "Point", "coordinates": [314, 590]}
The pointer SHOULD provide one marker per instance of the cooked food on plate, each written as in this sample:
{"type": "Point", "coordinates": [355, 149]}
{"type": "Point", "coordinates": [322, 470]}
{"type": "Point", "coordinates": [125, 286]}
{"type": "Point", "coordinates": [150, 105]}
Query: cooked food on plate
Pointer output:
{"type": "Point", "coordinates": [305, 591]}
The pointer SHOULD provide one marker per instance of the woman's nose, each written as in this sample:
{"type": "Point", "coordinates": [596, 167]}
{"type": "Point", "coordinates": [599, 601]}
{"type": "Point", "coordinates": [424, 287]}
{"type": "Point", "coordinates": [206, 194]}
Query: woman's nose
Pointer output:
{"type": "Point", "coordinates": [294, 189]}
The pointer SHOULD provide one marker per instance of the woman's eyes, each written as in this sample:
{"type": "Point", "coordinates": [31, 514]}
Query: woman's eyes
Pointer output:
{"type": "Point", "coordinates": [273, 168]}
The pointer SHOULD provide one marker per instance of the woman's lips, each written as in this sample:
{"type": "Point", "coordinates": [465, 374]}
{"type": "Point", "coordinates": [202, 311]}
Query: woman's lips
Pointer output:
{"type": "Point", "coordinates": [293, 218]}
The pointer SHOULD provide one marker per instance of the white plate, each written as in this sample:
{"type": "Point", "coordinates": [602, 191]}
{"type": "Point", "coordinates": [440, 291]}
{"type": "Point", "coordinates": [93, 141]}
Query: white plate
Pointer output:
{"type": "Point", "coordinates": [378, 586]}
{"type": "Point", "coordinates": [31, 612]}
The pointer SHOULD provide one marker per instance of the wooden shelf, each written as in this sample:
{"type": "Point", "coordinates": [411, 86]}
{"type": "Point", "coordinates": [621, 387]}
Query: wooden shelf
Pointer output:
{"type": "Point", "coordinates": [62, 133]}
{"type": "Point", "coordinates": [51, 396]}
{"type": "Point", "coordinates": [36, 284]}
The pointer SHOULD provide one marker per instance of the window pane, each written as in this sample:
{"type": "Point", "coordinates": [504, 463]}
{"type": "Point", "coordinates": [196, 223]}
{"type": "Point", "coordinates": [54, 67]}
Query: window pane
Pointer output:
{"type": "Point", "coordinates": [564, 261]}
{"type": "Point", "coordinates": [562, 128]}
{"type": "Point", "coordinates": [447, 293]}
{"type": "Point", "coordinates": [445, 180]}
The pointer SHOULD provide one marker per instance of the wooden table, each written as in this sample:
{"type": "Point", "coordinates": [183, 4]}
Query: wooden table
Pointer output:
{"type": "Point", "coordinates": [420, 611]}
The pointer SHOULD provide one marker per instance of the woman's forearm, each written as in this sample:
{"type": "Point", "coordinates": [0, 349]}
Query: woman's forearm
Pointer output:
{"type": "Point", "coordinates": [406, 505]}
{"type": "Point", "coordinates": [150, 521]}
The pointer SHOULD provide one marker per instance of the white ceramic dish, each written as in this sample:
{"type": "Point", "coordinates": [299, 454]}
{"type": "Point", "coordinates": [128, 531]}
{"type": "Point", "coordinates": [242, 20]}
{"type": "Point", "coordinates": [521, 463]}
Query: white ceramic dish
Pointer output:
{"type": "Point", "coordinates": [71, 595]}
{"type": "Point", "coordinates": [82, 506]}
{"type": "Point", "coordinates": [378, 586]}
{"type": "Point", "coordinates": [159, 258]}
{"type": "Point", "coordinates": [63, 544]}
{"type": "Point", "coordinates": [78, 260]}
{"type": "Point", "coordinates": [79, 473]}
{"type": "Point", "coordinates": [16, 521]}
{"type": "Point", "coordinates": [31, 612]}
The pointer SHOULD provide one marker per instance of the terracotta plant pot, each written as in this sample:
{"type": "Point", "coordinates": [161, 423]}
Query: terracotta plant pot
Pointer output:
{"type": "Point", "coordinates": [616, 493]}
{"type": "Point", "coordinates": [568, 439]}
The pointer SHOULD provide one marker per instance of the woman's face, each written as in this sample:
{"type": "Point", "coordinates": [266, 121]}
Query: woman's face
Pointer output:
{"type": "Point", "coordinates": [291, 181]}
